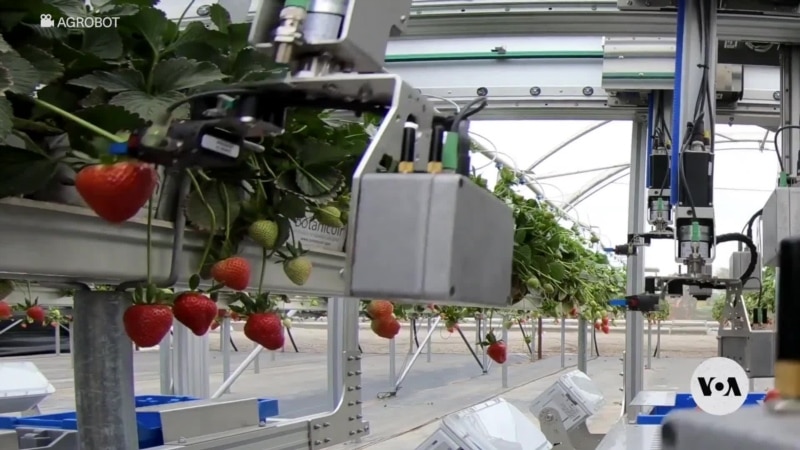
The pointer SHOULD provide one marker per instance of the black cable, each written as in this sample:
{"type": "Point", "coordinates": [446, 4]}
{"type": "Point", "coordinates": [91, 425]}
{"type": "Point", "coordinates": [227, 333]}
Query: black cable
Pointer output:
{"type": "Point", "coordinates": [738, 237]}
{"type": "Point", "coordinates": [474, 107]}
{"type": "Point", "coordinates": [748, 227]}
{"type": "Point", "coordinates": [775, 142]}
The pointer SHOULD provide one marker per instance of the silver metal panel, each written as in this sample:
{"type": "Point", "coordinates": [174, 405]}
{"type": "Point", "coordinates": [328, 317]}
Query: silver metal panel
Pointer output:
{"type": "Point", "coordinates": [762, 354]}
{"type": "Point", "coordinates": [738, 264]}
{"type": "Point", "coordinates": [780, 219]}
{"type": "Point", "coordinates": [750, 428]}
{"type": "Point", "coordinates": [194, 419]}
{"type": "Point", "coordinates": [625, 436]}
{"type": "Point", "coordinates": [578, 18]}
{"type": "Point", "coordinates": [422, 239]}
{"type": "Point", "coordinates": [45, 235]}
{"type": "Point", "coordinates": [638, 64]}
{"type": "Point", "coordinates": [282, 436]}
{"type": "Point", "coordinates": [654, 398]}
{"type": "Point", "coordinates": [9, 440]}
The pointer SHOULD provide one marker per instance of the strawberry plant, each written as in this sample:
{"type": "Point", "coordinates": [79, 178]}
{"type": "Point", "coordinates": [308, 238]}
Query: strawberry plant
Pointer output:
{"type": "Point", "coordinates": [556, 268]}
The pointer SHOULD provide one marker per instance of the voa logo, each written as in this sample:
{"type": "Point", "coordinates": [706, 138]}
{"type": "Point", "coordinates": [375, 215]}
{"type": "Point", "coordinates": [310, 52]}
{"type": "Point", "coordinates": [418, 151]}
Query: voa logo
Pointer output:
{"type": "Point", "coordinates": [719, 386]}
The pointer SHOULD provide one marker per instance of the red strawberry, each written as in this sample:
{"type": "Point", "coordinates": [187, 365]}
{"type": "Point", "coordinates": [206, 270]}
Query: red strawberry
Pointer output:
{"type": "Point", "coordinates": [35, 313]}
{"type": "Point", "coordinates": [605, 329]}
{"type": "Point", "coordinates": [386, 327]}
{"type": "Point", "coordinates": [235, 316]}
{"type": "Point", "coordinates": [233, 272]}
{"type": "Point", "coordinates": [379, 309]}
{"type": "Point", "coordinates": [214, 325]}
{"type": "Point", "coordinates": [772, 395]}
{"type": "Point", "coordinates": [265, 329]}
{"type": "Point", "coordinates": [5, 310]}
{"type": "Point", "coordinates": [116, 192]}
{"type": "Point", "coordinates": [498, 351]}
{"type": "Point", "coordinates": [605, 320]}
{"type": "Point", "coordinates": [597, 326]}
{"type": "Point", "coordinates": [195, 311]}
{"type": "Point", "coordinates": [573, 312]}
{"type": "Point", "coordinates": [147, 325]}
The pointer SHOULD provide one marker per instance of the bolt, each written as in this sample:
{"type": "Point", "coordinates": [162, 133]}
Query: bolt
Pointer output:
{"type": "Point", "coordinates": [316, 426]}
{"type": "Point", "coordinates": [317, 442]}
{"type": "Point", "coordinates": [776, 95]}
{"type": "Point", "coordinates": [204, 10]}
{"type": "Point", "coordinates": [326, 424]}
{"type": "Point", "coordinates": [352, 433]}
{"type": "Point", "coordinates": [548, 417]}
{"type": "Point", "coordinates": [535, 91]}
{"type": "Point", "coordinates": [482, 92]}
{"type": "Point", "coordinates": [588, 91]}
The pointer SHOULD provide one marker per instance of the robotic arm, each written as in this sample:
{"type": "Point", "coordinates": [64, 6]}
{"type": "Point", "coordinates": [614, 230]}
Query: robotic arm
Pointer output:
{"type": "Point", "coordinates": [413, 233]}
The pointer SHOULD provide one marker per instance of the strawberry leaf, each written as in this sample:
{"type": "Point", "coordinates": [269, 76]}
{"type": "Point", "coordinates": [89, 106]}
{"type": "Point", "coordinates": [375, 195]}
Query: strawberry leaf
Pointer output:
{"type": "Point", "coordinates": [194, 282]}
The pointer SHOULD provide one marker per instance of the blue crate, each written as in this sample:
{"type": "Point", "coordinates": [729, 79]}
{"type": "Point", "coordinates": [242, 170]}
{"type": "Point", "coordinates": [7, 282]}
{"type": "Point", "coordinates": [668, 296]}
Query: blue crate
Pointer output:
{"type": "Point", "coordinates": [148, 423]}
{"type": "Point", "coordinates": [685, 401]}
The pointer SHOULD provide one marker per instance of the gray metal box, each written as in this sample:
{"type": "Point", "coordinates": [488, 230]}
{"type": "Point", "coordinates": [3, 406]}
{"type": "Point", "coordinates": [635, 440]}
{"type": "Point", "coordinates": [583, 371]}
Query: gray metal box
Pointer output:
{"type": "Point", "coordinates": [428, 237]}
{"type": "Point", "coordinates": [738, 264]}
{"type": "Point", "coordinates": [780, 220]}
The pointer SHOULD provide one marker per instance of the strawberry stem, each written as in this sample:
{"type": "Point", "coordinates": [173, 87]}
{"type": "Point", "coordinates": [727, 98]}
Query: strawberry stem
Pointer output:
{"type": "Point", "coordinates": [212, 217]}
{"type": "Point", "coordinates": [149, 238]}
{"type": "Point", "coordinates": [263, 270]}
{"type": "Point", "coordinates": [77, 120]}
{"type": "Point", "coordinates": [227, 202]}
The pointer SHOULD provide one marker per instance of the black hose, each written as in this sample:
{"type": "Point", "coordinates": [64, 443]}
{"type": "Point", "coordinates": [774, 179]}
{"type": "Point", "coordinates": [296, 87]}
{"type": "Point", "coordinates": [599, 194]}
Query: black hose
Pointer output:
{"type": "Point", "coordinates": [748, 228]}
{"type": "Point", "coordinates": [739, 237]}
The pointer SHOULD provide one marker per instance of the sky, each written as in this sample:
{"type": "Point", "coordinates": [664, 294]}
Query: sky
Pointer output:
{"type": "Point", "coordinates": [743, 180]}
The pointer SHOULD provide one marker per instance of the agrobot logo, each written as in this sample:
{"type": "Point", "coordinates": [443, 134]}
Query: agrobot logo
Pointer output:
{"type": "Point", "coordinates": [719, 386]}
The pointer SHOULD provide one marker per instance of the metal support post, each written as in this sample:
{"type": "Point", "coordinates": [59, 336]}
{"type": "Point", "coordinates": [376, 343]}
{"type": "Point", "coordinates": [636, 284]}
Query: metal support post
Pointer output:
{"type": "Point", "coordinates": [103, 355]}
{"type": "Point", "coordinates": [429, 347]}
{"type": "Point", "coordinates": [582, 345]}
{"type": "Point", "coordinates": [165, 364]}
{"type": "Point", "coordinates": [563, 342]}
{"type": "Point", "coordinates": [634, 367]}
{"type": "Point", "coordinates": [533, 339]}
{"type": "Point", "coordinates": [58, 339]}
{"type": "Point", "coordinates": [225, 347]}
{"type": "Point", "coordinates": [191, 366]}
{"type": "Point", "coordinates": [12, 325]}
{"type": "Point", "coordinates": [343, 330]}
{"type": "Point", "coordinates": [504, 367]}
{"type": "Point", "coordinates": [658, 340]}
{"type": "Point", "coordinates": [413, 359]}
{"type": "Point", "coordinates": [71, 344]}
{"type": "Point", "coordinates": [790, 108]}
{"type": "Point", "coordinates": [392, 362]}
{"type": "Point", "coordinates": [649, 345]}
{"type": "Point", "coordinates": [225, 387]}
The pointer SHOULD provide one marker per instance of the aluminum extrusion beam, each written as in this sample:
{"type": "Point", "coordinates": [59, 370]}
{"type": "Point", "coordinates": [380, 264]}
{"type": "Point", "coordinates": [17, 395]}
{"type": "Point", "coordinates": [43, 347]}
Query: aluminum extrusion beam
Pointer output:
{"type": "Point", "coordinates": [451, 18]}
{"type": "Point", "coordinates": [555, 85]}
{"type": "Point", "coordinates": [634, 331]}
{"type": "Point", "coordinates": [790, 109]}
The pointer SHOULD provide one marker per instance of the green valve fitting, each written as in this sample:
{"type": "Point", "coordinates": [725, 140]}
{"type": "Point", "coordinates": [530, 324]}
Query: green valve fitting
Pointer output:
{"type": "Point", "coordinates": [695, 232]}
{"type": "Point", "coordinates": [783, 181]}
{"type": "Point", "coordinates": [450, 152]}
{"type": "Point", "coordinates": [660, 204]}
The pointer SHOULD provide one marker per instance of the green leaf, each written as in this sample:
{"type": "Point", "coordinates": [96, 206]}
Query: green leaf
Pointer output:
{"type": "Point", "coordinates": [50, 69]}
{"type": "Point", "coordinates": [97, 97]}
{"type": "Point", "coordinates": [219, 17]}
{"type": "Point", "coordinates": [6, 114]}
{"type": "Point", "coordinates": [180, 73]}
{"type": "Point", "coordinates": [35, 127]}
{"type": "Point", "coordinates": [292, 207]}
{"type": "Point", "coordinates": [250, 60]}
{"type": "Point", "coordinates": [152, 24]}
{"type": "Point", "coordinates": [148, 107]}
{"type": "Point", "coordinates": [104, 43]}
{"type": "Point", "coordinates": [10, 19]}
{"type": "Point", "coordinates": [201, 52]}
{"type": "Point", "coordinates": [313, 152]}
{"type": "Point", "coordinates": [238, 37]}
{"type": "Point", "coordinates": [23, 172]}
{"type": "Point", "coordinates": [316, 182]}
{"type": "Point", "coordinates": [556, 270]}
{"type": "Point", "coordinates": [215, 194]}
{"type": "Point", "coordinates": [113, 82]}
{"type": "Point", "coordinates": [110, 118]}
{"type": "Point", "coordinates": [24, 76]}
{"type": "Point", "coordinates": [523, 254]}
{"type": "Point", "coordinates": [196, 32]}
{"type": "Point", "coordinates": [5, 79]}
{"type": "Point", "coordinates": [69, 8]}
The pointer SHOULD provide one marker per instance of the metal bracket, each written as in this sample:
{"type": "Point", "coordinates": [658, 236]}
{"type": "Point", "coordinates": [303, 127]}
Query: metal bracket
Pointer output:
{"type": "Point", "coordinates": [754, 350]}
{"type": "Point", "coordinates": [346, 423]}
